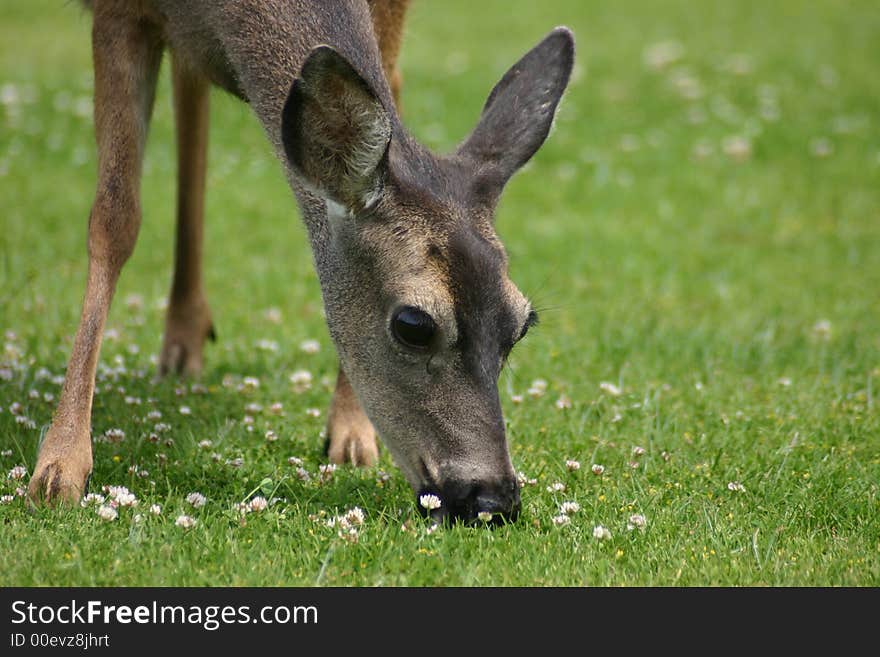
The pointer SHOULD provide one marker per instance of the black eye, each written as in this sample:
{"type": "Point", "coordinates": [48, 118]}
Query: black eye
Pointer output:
{"type": "Point", "coordinates": [413, 327]}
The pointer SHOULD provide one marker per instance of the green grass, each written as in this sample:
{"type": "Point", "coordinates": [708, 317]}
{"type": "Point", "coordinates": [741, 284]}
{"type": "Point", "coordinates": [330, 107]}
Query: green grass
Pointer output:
{"type": "Point", "coordinates": [696, 283]}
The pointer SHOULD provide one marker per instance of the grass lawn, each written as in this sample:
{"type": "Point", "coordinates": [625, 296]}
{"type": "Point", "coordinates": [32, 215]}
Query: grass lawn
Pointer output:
{"type": "Point", "coordinates": [701, 233]}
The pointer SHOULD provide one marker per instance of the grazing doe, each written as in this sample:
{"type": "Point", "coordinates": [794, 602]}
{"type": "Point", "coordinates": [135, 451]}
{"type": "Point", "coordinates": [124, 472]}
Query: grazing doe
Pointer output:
{"type": "Point", "coordinates": [413, 276]}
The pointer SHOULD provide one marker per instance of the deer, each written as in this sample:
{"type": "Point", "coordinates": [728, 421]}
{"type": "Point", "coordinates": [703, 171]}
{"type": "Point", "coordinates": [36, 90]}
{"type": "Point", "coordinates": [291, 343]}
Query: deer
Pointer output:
{"type": "Point", "coordinates": [413, 277]}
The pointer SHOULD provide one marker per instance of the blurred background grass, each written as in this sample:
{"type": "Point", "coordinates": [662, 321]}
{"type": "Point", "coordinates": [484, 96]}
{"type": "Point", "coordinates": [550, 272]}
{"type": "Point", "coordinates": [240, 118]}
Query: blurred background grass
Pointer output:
{"type": "Point", "coordinates": [702, 229]}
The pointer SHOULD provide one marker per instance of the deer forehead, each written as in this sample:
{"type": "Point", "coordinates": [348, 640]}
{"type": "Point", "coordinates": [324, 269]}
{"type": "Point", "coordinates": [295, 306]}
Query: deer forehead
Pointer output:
{"type": "Point", "coordinates": [456, 271]}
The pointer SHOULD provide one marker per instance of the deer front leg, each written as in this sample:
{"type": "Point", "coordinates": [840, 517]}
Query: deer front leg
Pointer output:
{"type": "Point", "coordinates": [188, 322]}
{"type": "Point", "coordinates": [350, 434]}
{"type": "Point", "coordinates": [126, 59]}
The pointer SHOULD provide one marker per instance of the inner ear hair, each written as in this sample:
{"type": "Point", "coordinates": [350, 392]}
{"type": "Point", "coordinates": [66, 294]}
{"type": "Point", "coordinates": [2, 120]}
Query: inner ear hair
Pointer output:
{"type": "Point", "coordinates": [336, 131]}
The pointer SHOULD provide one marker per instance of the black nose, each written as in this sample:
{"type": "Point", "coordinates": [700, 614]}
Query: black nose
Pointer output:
{"type": "Point", "coordinates": [471, 502]}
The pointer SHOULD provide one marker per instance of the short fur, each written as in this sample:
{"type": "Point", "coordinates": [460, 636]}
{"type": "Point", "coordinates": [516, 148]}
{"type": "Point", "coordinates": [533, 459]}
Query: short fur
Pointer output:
{"type": "Point", "coordinates": [391, 225]}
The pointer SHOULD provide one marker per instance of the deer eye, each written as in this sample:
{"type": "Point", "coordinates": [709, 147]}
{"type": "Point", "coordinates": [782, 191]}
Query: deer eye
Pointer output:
{"type": "Point", "coordinates": [413, 328]}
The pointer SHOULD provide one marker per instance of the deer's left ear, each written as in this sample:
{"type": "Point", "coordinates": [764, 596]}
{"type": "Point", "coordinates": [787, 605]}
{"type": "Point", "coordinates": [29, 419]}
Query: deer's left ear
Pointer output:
{"type": "Point", "coordinates": [519, 112]}
{"type": "Point", "coordinates": [336, 131]}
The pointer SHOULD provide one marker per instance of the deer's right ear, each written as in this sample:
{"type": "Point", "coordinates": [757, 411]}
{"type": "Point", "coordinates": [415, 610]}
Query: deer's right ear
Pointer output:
{"type": "Point", "coordinates": [336, 131]}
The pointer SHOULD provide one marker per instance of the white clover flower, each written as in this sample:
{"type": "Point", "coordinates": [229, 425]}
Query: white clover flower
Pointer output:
{"type": "Point", "coordinates": [253, 408]}
{"type": "Point", "coordinates": [302, 474]}
{"type": "Point", "coordinates": [429, 501]}
{"type": "Point", "coordinates": [18, 472]}
{"type": "Point", "coordinates": [326, 470]}
{"type": "Point", "coordinates": [273, 315]}
{"type": "Point", "coordinates": [120, 496]}
{"type": "Point", "coordinates": [16, 408]}
{"type": "Point", "coordinates": [821, 147]}
{"type": "Point", "coordinates": [636, 521]}
{"type": "Point", "coordinates": [484, 516]}
{"type": "Point", "coordinates": [524, 480]}
{"type": "Point", "coordinates": [267, 345]}
{"type": "Point", "coordinates": [276, 408]}
{"type": "Point", "coordinates": [271, 436]}
{"type": "Point", "coordinates": [737, 148]}
{"type": "Point", "coordinates": [114, 435]}
{"type": "Point", "coordinates": [659, 56]}
{"type": "Point", "coordinates": [161, 427]}
{"type": "Point", "coordinates": [91, 498]}
{"type": "Point", "coordinates": [355, 516]}
{"type": "Point", "coordinates": [6, 499]}
{"type": "Point", "coordinates": [538, 388]}
{"type": "Point", "coordinates": [6, 453]}
{"type": "Point", "coordinates": [134, 302]}
{"type": "Point", "coordinates": [313, 412]}
{"type": "Point", "coordinates": [516, 399]}
{"type": "Point", "coordinates": [187, 522]}
{"type": "Point", "coordinates": [301, 380]}
{"type": "Point", "coordinates": [258, 503]}
{"type": "Point", "coordinates": [310, 346]}
{"type": "Point", "coordinates": [155, 509]}
{"type": "Point", "coordinates": [294, 460]}
{"type": "Point", "coordinates": [638, 451]}
{"type": "Point", "coordinates": [108, 513]}
{"type": "Point", "coordinates": [185, 410]}
{"type": "Point", "coordinates": [235, 463]}
{"type": "Point", "coordinates": [153, 416]}
{"type": "Point", "coordinates": [597, 469]}
{"type": "Point", "coordinates": [349, 534]}
{"type": "Point", "coordinates": [784, 382]}
{"type": "Point", "coordinates": [126, 500]}
{"type": "Point", "coordinates": [25, 421]}
{"type": "Point", "coordinates": [561, 520]}
{"type": "Point", "coordinates": [601, 533]}
{"type": "Point", "coordinates": [569, 508]}
{"type": "Point", "coordinates": [573, 465]}
{"type": "Point", "coordinates": [196, 499]}
{"type": "Point", "coordinates": [205, 444]}
{"type": "Point", "coordinates": [556, 487]}
{"type": "Point", "coordinates": [563, 403]}
{"type": "Point", "coordinates": [610, 389]}
{"type": "Point", "coordinates": [822, 329]}
{"type": "Point", "coordinates": [736, 487]}
{"type": "Point", "coordinates": [249, 383]}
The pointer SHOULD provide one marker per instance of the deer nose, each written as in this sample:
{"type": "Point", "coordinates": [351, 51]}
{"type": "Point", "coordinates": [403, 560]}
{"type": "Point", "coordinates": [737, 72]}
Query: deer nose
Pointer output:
{"type": "Point", "coordinates": [470, 502]}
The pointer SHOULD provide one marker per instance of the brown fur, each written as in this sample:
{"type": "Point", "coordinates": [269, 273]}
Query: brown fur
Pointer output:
{"type": "Point", "coordinates": [391, 225]}
{"type": "Point", "coordinates": [128, 39]}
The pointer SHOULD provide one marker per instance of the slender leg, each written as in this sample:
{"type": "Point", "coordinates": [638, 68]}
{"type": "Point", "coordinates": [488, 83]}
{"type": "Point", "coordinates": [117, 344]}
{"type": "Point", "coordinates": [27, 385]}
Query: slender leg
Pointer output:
{"type": "Point", "coordinates": [350, 435]}
{"type": "Point", "coordinates": [188, 322]}
{"type": "Point", "coordinates": [388, 18]}
{"type": "Point", "coordinates": [126, 57]}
